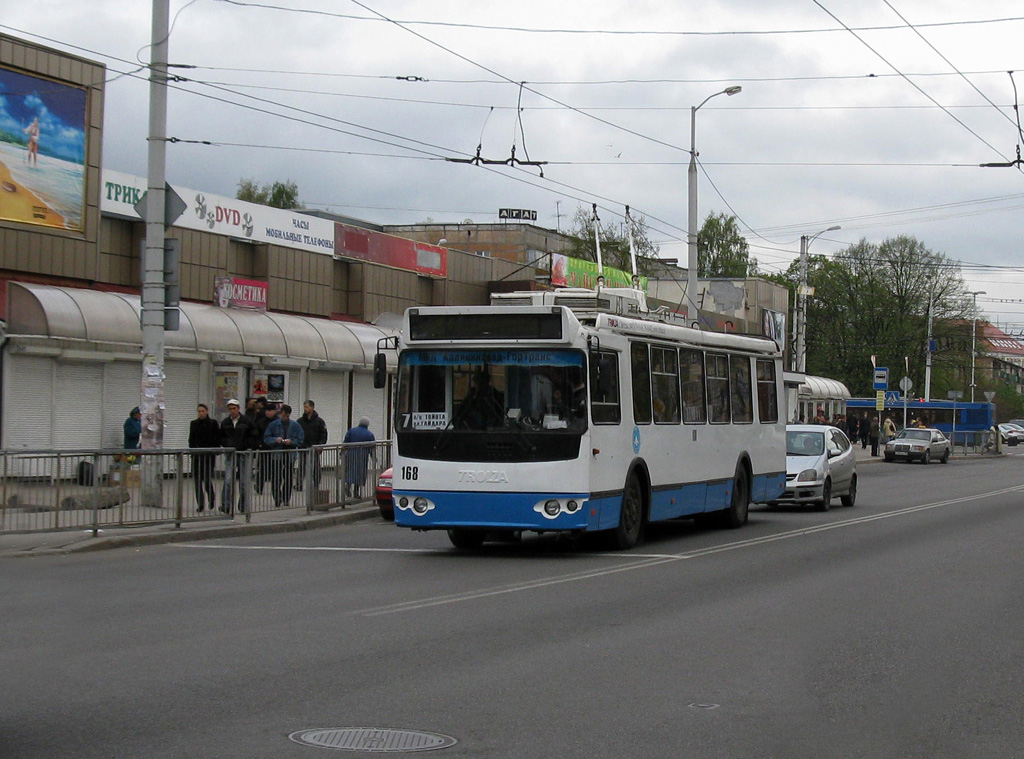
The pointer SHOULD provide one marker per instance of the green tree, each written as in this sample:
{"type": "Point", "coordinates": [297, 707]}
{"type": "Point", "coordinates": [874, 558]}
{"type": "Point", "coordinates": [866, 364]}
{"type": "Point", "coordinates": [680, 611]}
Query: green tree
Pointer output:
{"type": "Point", "coordinates": [614, 242]}
{"type": "Point", "coordinates": [872, 300]}
{"type": "Point", "coordinates": [722, 251]}
{"type": "Point", "coordinates": [277, 195]}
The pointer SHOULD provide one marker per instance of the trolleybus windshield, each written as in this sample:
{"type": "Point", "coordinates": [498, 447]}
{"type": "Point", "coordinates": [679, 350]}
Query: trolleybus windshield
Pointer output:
{"type": "Point", "coordinates": [491, 404]}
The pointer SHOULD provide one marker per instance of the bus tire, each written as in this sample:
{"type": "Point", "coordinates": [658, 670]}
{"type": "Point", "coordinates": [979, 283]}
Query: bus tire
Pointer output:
{"type": "Point", "coordinates": [467, 540]}
{"type": "Point", "coordinates": [631, 518]}
{"type": "Point", "coordinates": [736, 515]}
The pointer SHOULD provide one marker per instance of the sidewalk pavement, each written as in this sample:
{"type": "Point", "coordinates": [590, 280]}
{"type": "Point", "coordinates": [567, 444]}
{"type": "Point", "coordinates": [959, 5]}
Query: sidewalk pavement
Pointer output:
{"type": "Point", "coordinates": [261, 523]}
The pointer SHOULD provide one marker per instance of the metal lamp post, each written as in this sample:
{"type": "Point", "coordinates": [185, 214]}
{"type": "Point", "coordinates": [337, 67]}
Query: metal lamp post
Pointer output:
{"type": "Point", "coordinates": [800, 352]}
{"type": "Point", "coordinates": [691, 226]}
{"type": "Point", "coordinates": [974, 335]}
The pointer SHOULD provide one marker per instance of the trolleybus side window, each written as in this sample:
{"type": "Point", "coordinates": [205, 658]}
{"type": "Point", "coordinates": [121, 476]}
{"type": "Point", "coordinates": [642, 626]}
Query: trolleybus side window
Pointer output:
{"type": "Point", "coordinates": [665, 382]}
{"type": "Point", "coordinates": [691, 362]}
{"type": "Point", "coordinates": [604, 388]}
{"type": "Point", "coordinates": [640, 370]}
{"type": "Point", "coordinates": [742, 403]}
{"type": "Point", "coordinates": [718, 388]}
{"type": "Point", "coordinates": [767, 397]}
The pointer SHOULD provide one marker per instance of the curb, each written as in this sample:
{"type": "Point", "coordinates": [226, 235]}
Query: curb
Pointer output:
{"type": "Point", "coordinates": [202, 533]}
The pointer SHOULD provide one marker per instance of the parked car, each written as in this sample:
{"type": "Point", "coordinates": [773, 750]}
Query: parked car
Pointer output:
{"type": "Point", "coordinates": [383, 495]}
{"type": "Point", "coordinates": [919, 443]}
{"type": "Point", "coordinates": [1010, 433]}
{"type": "Point", "coordinates": [820, 465]}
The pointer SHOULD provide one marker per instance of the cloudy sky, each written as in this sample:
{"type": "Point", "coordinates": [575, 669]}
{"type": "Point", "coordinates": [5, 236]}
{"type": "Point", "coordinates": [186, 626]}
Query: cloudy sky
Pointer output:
{"type": "Point", "coordinates": [869, 114]}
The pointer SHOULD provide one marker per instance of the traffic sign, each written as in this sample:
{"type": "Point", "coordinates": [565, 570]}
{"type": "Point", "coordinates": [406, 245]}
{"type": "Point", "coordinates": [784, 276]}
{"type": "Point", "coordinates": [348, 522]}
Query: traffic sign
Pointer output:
{"type": "Point", "coordinates": [881, 378]}
{"type": "Point", "coordinates": [174, 206]}
{"type": "Point", "coordinates": [892, 397]}
{"type": "Point", "coordinates": [906, 385]}
{"type": "Point", "coordinates": [880, 400]}
{"type": "Point", "coordinates": [989, 395]}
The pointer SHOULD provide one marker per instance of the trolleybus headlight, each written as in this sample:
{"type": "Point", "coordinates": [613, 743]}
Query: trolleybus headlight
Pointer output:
{"type": "Point", "coordinates": [403, 502]}
{"type": "Point", "coordinates": [572, 507]}
{"type": "Point", "coordinates": [552, 507]}
{"type": "Point", "coordinates": [420, 506]}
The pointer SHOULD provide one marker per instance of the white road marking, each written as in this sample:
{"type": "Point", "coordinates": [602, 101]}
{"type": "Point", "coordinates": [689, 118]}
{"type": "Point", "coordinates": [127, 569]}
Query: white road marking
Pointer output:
{"type": "Point", "coordinates": [645, 560]}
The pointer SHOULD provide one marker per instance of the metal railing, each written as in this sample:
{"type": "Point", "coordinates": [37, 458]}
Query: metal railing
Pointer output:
{"type": "Point", "coordinates": [91, 490]}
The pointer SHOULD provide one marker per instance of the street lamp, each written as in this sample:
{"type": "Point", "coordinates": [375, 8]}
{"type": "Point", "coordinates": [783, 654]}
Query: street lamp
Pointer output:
{"type": "Point", "coordinates": [974, 335]}
{"type": "Point", "coordinates": [691, 225]}
{"type": "Point", "coordinates": [800, 351]}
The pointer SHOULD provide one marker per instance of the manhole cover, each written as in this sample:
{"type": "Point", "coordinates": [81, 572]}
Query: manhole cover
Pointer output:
{"type": "Point", "coordinates": [372, 739]}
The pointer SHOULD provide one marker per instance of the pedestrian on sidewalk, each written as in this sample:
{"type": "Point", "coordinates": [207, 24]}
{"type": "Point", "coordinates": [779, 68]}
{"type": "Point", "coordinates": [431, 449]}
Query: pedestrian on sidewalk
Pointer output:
{"type": "Point", "coordinates": [238, 435]}
{"type": "Point", "coordinates": [357, 455]}
{"type": "Point", "coordinates": [888, 430]}
{"type": "Point", "coordinates": [132, 429]}
{"type": "Point", "coordinates": [864, 429]}
{"type": "Point", "coordinates": [284, 435]}
{"type": "Point", "coordinates": [203, 432]}
{"type": "Point", "coordinates": [314, 432]}
{"type": "Point", "coordinates": [873, 435]}
{"type": "Point", "coordinates": [266, 413]}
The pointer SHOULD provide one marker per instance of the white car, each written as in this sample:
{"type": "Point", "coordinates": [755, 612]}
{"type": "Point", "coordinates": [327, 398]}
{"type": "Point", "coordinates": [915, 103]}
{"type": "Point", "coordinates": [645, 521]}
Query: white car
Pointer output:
{"type": "Point", "coordinates": [820, 465]}
{"type": "Point", "coordinates": [921, 443]}
{"type": "Point", "coordinates": [1012, 434]}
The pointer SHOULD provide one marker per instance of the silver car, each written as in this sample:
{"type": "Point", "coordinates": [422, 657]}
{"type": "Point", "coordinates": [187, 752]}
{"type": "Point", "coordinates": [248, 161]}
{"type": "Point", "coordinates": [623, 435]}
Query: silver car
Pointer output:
{"type": "Point", "coordinates": [919, 443]}
{"type": "Point", "coordinates": [1012, 434]}
{"type": "Point", "coordinates": [820, 465]}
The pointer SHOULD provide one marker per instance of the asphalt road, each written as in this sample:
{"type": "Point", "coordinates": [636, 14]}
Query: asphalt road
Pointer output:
{"type": "Point", "coordinates": [892, 629]}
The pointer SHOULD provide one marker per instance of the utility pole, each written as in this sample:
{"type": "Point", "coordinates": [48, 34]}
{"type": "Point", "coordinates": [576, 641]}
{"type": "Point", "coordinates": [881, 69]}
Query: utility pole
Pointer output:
{"type": "Point", "coordinates": [152, 404]}
{"type": "Point", "coordinates": [801, 332]}
{"type": "Point", "coordinates": [928, 356]}
{"type": "Point", "coordinates": [974, 336]}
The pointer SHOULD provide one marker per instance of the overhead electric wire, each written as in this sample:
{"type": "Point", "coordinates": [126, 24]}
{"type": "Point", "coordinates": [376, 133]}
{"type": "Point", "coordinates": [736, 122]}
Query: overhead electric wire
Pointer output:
{"type": "Point", "coordinates": [908, 80]}
{"type": "Point", "coordinates": [614, 32]}
{"type": "Point", "coordinates": [949, 62]}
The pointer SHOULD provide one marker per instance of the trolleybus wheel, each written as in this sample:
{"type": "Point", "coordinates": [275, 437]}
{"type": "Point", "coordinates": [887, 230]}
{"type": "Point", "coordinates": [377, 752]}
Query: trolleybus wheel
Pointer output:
{"type": "Point", "coordinates": [736, 514]}
{"type": "Point", "coordinates": [627, 534]}
{"type": "Point", "coordinates": [467, 539]}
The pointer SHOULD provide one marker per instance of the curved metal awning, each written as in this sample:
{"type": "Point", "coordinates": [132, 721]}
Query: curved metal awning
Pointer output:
{"type": "Point", "coordinates": [823, 388]}
{"type": "Point", "coordinates": [104, 317]}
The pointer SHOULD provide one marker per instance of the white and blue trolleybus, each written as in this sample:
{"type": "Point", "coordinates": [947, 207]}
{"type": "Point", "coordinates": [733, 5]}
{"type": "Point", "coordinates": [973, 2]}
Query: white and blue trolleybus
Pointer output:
{"type": "Point", "coordinates": [580, 411]}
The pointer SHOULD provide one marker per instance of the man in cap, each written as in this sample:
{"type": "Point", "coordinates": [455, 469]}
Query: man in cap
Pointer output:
{"type": "Point", "coordinates": [238, 435]}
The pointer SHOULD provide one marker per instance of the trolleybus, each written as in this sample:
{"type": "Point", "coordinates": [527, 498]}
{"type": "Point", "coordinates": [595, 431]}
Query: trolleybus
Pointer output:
{"type": "Point", "coordinates": [579, 411]}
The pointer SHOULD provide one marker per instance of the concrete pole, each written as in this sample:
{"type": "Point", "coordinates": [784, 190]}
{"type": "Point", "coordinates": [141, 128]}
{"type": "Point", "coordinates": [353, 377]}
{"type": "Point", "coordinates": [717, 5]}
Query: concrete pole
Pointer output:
{"type": "Point", "coordinates": [152, 403]}
{"type": "Point", "coordinates": [691, 209]}
{"type": "Point", "coordinates": [691, 222]}
{"type": "Point", "coordinates": [974, 336]}
{"type": "Point", "coordinates": [801, 315]}
{"type": "Point", "coordinates": [928, 357]}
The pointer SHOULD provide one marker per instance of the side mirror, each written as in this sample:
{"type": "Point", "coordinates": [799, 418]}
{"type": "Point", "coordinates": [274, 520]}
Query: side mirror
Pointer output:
{"type": "Point", "coordinates": [380, 371]}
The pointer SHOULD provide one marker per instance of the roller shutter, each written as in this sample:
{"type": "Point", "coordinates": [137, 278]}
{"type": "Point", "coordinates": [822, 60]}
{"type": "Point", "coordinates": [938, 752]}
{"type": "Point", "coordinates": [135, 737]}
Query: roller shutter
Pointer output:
{"type": "Point", "coordinates": [28, 401]}
{"type": "Point", "coordinates": [329, 391]}
{"type": "Point", "coordinates": [181, 394]}
{"type": "Point", "coordinates": [78, 394]}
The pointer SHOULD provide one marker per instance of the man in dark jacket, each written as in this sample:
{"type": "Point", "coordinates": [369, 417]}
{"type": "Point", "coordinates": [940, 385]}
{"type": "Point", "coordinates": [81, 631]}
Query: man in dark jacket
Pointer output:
{"type": "Point", "coordinates": [203, 432]}
{"type": "Point", "coordinates": [284, 436]}
{"type": "Point", "coordinates": [267, 414]}
{"type": "Point", "coordinates": [237, 434]}
{"type": "Point", "coordinates": [314, 430]}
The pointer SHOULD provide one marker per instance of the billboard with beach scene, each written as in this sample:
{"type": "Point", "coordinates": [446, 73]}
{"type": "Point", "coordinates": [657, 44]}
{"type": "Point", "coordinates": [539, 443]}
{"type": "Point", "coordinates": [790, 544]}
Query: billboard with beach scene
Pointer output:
{"type": "Point", "coordinates": [42, 150]}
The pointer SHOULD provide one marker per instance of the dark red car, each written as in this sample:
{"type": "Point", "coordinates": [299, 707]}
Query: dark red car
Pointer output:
{"type": "Point", "coordinates": [383, 496]}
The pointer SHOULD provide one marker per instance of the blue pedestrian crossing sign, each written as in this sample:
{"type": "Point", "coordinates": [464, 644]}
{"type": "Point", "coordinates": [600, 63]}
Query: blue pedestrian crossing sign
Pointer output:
{"type": "Point", "coordinates": [892, 397]}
